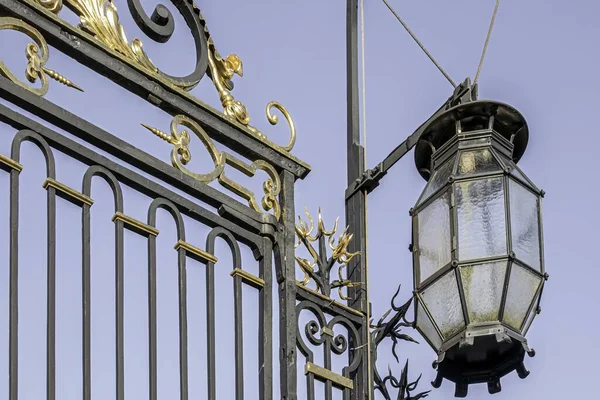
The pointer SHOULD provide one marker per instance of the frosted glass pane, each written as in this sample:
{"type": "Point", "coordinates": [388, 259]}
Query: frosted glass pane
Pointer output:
{"type": "Point", "coordinates": [443, 302]}
{"type": "Point", "coordinates": [531, 316]}
{"type": "Point", "coordinates": [483, 285]}
{"type": "Point", "coordinates": [521, 289]}
{"type": "Point", "coordinates": [481, 218]}
{"type": "Point", "coordinates": [439, 179]}
{"type": "Point", "coordinates": [524, 223]}
{"type": "Point", "coordinates": [516, 173]}
{"type": "Point", "coordinates": [477, 161]}
{"type": "Point", "coordinates": [434, 236]}
{"type": "Point", "coordinates": [426, 327]}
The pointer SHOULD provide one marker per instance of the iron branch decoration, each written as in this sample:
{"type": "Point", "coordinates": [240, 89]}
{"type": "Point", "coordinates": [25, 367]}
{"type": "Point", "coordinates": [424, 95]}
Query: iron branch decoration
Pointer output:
{"type": "Point", "coordinates": [320, 259]}
{"type": "Point", "coordinates": [392, 328]}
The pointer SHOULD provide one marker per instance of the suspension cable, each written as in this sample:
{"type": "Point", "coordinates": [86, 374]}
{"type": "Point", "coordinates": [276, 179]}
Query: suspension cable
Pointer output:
{"type": "Point", "coordinates": [487, 41]}
{"type": "Point", "coordinates": [420, 44]}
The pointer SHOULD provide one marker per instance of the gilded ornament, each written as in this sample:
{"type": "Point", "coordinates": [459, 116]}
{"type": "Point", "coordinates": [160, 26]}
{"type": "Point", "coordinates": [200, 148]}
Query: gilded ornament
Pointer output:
{"type": "Point", "coordinates": [181, 156]}
{"type": "Point", "coordinates": [101, 19]}
{"type": "Point", "coordinates": [221, 71]}
{"type": "Point", "coordinates": [324, 264]}
{"type": "Point", "coordinates": [54, 6]}
{"type": "Point", "coordinates": [37, 55]}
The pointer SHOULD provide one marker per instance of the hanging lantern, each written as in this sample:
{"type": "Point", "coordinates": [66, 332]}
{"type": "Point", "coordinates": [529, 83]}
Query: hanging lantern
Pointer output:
{"type": "Point", "coordinates": [477, 244]}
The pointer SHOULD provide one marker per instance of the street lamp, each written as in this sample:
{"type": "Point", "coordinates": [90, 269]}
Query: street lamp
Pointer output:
{"type": "Point", "coordinates": [477, 244]}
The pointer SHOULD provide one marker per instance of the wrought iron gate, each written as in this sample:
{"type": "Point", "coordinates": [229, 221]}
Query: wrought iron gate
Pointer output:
{"type": "Point", "coordinates": [265, 224]}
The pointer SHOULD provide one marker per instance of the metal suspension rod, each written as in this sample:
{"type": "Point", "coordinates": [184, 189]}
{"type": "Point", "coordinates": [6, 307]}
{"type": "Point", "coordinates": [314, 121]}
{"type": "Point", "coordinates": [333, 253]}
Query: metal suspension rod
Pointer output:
{"type": "Point", "coordinates": [420, 44]}
{"type": "Point", "coordinates": [356, 204]}
{"type": "Point", "coordinates": [365, 256]}
{"type": "Point", "coordinates": [487, 41]}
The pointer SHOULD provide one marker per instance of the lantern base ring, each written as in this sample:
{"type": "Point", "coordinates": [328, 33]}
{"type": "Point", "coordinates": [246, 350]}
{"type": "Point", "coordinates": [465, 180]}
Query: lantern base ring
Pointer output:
{"type": "Point", "coordinates": [482, 354]}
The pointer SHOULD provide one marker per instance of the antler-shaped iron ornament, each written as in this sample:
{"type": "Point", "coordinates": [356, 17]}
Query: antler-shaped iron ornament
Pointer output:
{"type": "Point", "coordinates": [392, 329]}
{"type": "Point", "coordinates": [404, 387]}
{"type": "Point", "coordinates": [320, 259]}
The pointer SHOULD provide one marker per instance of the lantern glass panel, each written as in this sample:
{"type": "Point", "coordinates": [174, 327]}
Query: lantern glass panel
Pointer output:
{"type": "Point", "coordinates": [525, 225]}
{"type": "Point", "coordinates": [477, 161]}
{"type": "Point", "coordinates": [481, 218]}
{"type": "Point", "coordinates": [442, 299]}
{"type": "Point", "coordinates": [434, 236]}
{"type": "Point", "coordinates": [483, 285]}
{"type": "Point", "coordinates": [427, 328]}
{"type": "Point", "coordinates": [516, 172]}
{"type": "Point", "coordinates": [439, 179]}
{"type": "Point", "coordinates": [522, 288]}
{"type": "Point", "coordinates": [531, 315]}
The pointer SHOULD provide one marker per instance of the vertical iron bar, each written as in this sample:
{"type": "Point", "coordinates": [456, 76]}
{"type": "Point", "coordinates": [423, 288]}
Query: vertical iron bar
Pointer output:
{"type": "Point", "coordinates": [354, 155]}
{"type": "Point", "coordinates": [183, 330]}
{"type": "Point", "coordinates": [86, 299]}
{"type": "Point", "coordinates": [239, 337]}
{"type": "Point", "coordinates": [210, 329]}
{"type": "Point", "coordinates": [356, 204]}
{"type": "Point", "coordinates": [326, 281]}
{"type": "Point", "coordinates": [287, 291]}
{"type": "Point", "coordinates": [119, 305]}
{"type": "Point", "coordinates": [310, 382]}
{"type": "Point", "coordinates": [152, 317]}
{"type": "Point", "coordinates": [51, 294]}
{"type": "Point", "coordinates": [14, 284]}
{"type": "Point", "coordinates": [265, 330]}
{"type": "Point", "coordinates": [327, 361]}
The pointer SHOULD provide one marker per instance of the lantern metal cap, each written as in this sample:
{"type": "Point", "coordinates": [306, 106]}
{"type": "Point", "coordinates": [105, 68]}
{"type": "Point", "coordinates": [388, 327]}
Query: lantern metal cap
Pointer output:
{"type": "Point", "coordinates": [472, 116]}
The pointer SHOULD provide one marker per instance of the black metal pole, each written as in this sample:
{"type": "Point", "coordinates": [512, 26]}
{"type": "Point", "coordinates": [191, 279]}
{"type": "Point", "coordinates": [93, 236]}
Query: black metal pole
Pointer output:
{"type": "Point", "coordinates": [356, 203]}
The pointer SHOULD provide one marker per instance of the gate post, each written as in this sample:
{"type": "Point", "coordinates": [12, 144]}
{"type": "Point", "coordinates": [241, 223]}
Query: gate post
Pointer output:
{"type": "Point", "coordinates": [286, 282]}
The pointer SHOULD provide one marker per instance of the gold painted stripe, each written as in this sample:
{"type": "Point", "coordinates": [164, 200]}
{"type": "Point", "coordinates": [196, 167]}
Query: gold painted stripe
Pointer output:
{"type": "Point", "coordinates": [324, 374]}
{"type": "Point", "coordinates": [64, 189]}
{"type": "Point", "coordinates": [337, 303]}
{"type": "Point", "coordinates": [199, 253]}
{"type": "Point", "coordinates": [9, 162]}
{"type": "Point", "coordinates": [248, 278]}
{"type": "Point", "coordinates": [135, 224]}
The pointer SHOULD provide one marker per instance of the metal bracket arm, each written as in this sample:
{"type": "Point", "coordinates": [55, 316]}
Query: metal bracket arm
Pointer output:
{"type": "Point", "coordinates": [369, 180]}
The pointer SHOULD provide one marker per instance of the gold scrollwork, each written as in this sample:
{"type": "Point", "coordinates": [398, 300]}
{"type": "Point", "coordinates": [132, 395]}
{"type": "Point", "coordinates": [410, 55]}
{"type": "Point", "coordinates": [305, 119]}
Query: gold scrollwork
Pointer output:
{"type": "Point", "coordinates": [101, 19]}
{"type": "Point", "coordinates": [221, 72]}
{"type": "Point", "coordinates": [339, 255]}
{"type": "Point", "coordinates": [37, 55]}
{"type": "Point", "coordinates": [181, 156]}
{"type": "Point", "coordinates": [53, 6]}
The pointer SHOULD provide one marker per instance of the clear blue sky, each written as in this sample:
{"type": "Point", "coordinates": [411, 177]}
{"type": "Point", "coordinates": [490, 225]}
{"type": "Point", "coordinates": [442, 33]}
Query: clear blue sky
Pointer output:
{"type": "Point", "coordinates": [543, 59]}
